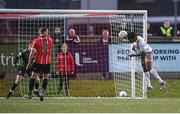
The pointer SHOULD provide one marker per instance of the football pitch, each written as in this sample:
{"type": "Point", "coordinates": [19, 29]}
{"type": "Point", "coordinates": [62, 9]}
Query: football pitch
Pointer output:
{"type": "Point", "coordinates": [150, 105]}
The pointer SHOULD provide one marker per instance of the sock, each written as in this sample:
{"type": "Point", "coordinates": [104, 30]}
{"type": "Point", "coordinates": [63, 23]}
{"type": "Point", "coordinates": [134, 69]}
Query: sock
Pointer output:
{"type": "Point", "coordinates": [147, 76]}
{"type": "Point", "coordinates": [14, 86]}
{"type": "Point", "coordinates": [156, 75]}
{"type": "Point", "coordinates": [36, 85]}
{"type": "Point", "coordinates": [44, 85]}
{"type": "Point", "coordinates": [31, 86]}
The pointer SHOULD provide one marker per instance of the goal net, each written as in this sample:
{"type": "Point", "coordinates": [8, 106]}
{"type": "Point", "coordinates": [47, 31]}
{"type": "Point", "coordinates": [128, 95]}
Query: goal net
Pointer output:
{"type": "Point", "coordinates": [101, 66]}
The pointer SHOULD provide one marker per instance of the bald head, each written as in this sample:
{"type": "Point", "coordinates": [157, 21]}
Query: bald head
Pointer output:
{"type": "Point", "coordinates": [105, 33]}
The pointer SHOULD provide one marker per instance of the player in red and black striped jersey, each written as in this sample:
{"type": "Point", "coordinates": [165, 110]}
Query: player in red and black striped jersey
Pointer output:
{"type": "Point", "coordinates": [43, 46]}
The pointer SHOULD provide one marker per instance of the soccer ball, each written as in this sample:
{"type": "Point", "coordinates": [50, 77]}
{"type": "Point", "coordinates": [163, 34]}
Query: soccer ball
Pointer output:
{"type": "Point", "coordinates": [122, 34]}
{"type": "Point", "coordinates": [122, 94]}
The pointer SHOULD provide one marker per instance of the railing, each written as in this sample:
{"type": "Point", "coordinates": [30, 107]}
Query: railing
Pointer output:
{"type": "Point", "coordinates": [160, 39]}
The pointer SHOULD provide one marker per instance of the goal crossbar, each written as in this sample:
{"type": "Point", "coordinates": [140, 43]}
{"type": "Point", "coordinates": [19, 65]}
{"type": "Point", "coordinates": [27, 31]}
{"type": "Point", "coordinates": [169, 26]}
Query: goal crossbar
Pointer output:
{"type": "Point", "coordinates": [70, 11]}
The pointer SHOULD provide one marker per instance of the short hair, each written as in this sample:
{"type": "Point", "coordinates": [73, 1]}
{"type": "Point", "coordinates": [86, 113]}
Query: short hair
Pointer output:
{"type": "Point", "coordinates": [43, 29]}
{"type": "Point", "coordinates": [131, 36]}
{"type": "Point", "coordinates": [167, 21]}
{"type": "Point", "coordinates": [29, 42]}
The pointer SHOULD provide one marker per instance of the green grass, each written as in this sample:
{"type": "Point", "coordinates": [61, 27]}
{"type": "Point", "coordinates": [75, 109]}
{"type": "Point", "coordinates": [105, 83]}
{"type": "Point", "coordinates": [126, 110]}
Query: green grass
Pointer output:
{"type": "Point", "coordinates": [101, 88]}
{"type": "Point", "coordinates": [158, 105]}
{"type": "Point", "coordinates": [172, 89]}
{"type": "Point", "coordinates": [89, 88]}
{"type": "Point", "coordinates": [84, 88]}
{"type": "Point", "coordinates": [165, 101]}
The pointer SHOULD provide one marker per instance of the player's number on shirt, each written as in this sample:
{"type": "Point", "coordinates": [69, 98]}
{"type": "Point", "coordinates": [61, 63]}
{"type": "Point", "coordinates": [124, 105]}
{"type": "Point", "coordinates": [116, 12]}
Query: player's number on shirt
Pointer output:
{"type": "Point", "coordinates": [45, 49]}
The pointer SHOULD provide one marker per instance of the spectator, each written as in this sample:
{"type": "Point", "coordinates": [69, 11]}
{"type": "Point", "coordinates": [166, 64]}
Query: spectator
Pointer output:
{"type": "Point", "coordinates": [123, 26]}
{"type": "Point", "coordinates": [72, 37]}
{"type": "Point", "coordinates": [73, 41]}
{"type": "Point", "coordinates": [166, 30]}
{"type": "Point", "coordinates": [105, 40]}
{"type": "Point", "coordinates": [58, 39]}
{"type": "Point", "coordinates": [57, 33]}
{"type": "Point", "coordinates": [105, 37]}
{"type": "Point", "coordinates": [91, 30]}
{"type": "Point", "coordinates": [150, 31]}
{"type": "Point", "coordinates": [64, 67]}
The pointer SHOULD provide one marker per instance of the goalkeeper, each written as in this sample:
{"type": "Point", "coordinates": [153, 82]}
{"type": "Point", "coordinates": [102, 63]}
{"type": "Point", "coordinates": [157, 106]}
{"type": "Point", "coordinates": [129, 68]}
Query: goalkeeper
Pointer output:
{"type": "Point", "coordinates": [21, 70]}
{"type": "Point", "coordinates": [141, 48]}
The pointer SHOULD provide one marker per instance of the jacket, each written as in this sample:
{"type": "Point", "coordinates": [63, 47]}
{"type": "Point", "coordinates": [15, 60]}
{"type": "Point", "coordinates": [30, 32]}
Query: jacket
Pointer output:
{"type": "Point", "coordinates": [65, 62]}
{"type": "Point", "coordinates": [166, 32]}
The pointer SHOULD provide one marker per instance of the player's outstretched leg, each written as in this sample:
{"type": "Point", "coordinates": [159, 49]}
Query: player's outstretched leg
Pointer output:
{"type": "Point", "coordinates": [15, 84]}
{"type": "Point", "coordinates": [162, 85]}
{"type": "Point", "coordinates": [11, 90]}
{"type": "Point", "coordinates": [9, 94]}
{"type": "Point", "coordinates": [156, 75]}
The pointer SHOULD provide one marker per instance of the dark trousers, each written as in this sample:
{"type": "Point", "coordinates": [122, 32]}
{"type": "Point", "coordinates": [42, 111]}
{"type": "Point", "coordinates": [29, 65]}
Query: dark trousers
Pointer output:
{"type": "Point", "coordinates": [64, 80]}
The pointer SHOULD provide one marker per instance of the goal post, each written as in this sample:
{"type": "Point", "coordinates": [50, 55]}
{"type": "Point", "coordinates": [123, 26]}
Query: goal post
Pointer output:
{"type": "Point", "coordinates": [128, 75]}
{"type": "Point", "coordinates": [101, 69]}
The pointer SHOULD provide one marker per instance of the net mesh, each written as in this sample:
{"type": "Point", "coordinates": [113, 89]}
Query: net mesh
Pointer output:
{"type": "Point", "coordinates": [128, 74]}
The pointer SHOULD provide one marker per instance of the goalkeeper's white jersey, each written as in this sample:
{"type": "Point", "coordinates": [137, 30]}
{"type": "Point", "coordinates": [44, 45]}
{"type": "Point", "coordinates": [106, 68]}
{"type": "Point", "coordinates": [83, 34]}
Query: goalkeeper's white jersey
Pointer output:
{"type": "Point", "coordinates": [141, 46]}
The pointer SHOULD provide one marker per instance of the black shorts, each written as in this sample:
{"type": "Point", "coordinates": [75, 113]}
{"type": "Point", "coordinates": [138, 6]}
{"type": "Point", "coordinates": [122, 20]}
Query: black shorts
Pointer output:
{"type": "Point", "coordinates": [22, 71]}
{"type": "Point", "coordinates": [41, 68]}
